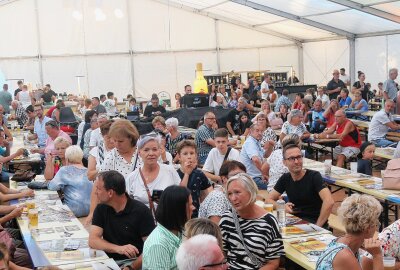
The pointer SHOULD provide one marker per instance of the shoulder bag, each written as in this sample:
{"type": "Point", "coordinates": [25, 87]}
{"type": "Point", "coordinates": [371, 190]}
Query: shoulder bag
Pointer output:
{"type": "Point", "coordinates": [151, 203]}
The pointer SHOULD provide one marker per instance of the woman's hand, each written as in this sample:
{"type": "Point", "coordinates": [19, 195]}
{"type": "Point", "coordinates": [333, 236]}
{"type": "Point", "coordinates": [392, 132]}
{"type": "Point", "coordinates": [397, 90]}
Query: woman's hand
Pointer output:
{"type": "Point", "coordinates": [373, 246]}
{"type": "Point", "coordinates": [49, 159]}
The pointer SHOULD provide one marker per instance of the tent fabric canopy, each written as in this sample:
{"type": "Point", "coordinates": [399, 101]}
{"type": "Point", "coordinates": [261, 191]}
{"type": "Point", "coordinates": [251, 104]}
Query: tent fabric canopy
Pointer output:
{"type": "Point", "coordinates": [317, 19]}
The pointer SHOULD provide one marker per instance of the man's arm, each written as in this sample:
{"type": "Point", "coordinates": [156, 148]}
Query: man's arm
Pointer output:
{"type": "Point", "coordinates": [96, 241]}
{"type": "Point", "coordinates": [229, 127]}
{"type": "Point", "coordinates": [393, 125]}
{"type": "Point", "coordinates": [211, 142]}
{"type": "Point", "coordinates": [385, 95]}
{"type": "Point", "coordinates": [257, 162]}
{"type": "Point", "coordinates": [272, 197]}
{"type": "Point", "coordinates": [212, 177]}
{"type": "Point", "coordinates": [327, 204]}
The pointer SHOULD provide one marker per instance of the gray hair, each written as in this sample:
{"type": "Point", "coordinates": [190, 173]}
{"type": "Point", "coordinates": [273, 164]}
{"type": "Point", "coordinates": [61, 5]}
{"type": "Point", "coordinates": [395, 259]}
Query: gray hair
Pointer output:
{"type": "Point", "coordinates": [248, 184]}
{"type": "Point", "coordinates": [74, 154]}
{"type": "Point", "coordinates": [242, 99]}
{"type": "Point", "coordinates": [148, 138]}
{"type": "Point", "coordinates": [295, 112]}
{"type": "Point", "coordinates": [102, 116]}
{"type": "Point", "coordinates": [172, 122]}
{"type": "Point", "coordinates": [393, 70]}
{"type": "Point", "coordinates": [196, 252]}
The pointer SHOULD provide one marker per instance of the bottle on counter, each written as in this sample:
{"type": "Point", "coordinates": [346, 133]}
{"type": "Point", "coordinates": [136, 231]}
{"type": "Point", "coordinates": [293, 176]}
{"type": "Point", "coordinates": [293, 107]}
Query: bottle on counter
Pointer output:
{"type": "Point", "coordinates": [281, 212]}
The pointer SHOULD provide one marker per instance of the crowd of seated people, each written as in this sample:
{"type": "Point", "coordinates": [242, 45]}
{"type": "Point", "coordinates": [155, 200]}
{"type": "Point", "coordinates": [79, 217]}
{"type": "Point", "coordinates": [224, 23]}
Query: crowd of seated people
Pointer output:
{"type": "Point", "coordinates": [148, 197]}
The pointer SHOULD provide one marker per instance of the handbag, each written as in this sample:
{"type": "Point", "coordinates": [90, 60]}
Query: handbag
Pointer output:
{"type": "Point", "coordinates": [253, 258]}
{"type": "Point", "coordinates": [391, 176]}
{"type": "Point", "coordinates": [23, 176]}
{"type": "Point", "coordinates": [151, 203]}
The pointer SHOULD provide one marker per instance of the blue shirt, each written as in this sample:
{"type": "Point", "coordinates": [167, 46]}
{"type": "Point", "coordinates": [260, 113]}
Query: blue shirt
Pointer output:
{"type": "Point", "coordinates": [76, 186]}
{"type": "Point", "coordinates": [40, 129]}
{"type": "Point", "coordinates": [364, 107]}
{"type": "Point", "coordinates": [251, 148]}
{"type": "Point", "coordinates": [344, 102]}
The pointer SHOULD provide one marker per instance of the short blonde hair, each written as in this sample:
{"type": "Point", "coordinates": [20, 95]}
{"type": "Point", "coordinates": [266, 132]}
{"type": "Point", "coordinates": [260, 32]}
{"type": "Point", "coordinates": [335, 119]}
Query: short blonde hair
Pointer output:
{"type": "Point", "coordinates": [359, 212]}
{"type": "Point", "coordinates": [158, 119]}
{"type": "Point", "coordinates": [74, 154]}
{"type": "Point", "coordinates": [248, 184]}
{"type": "Point", "coordinates": [124, 128]}
{"type": "Point", "coordinates": [197, 226]}
{"type": "Point", "coordinates": [60, 140]}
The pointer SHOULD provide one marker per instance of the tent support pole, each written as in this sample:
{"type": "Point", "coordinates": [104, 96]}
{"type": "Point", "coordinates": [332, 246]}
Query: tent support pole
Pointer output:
{"type": "Point", "coordinates": [300, 57]}
{"type": "Point", "coordinates": [131, 48]}
{"type": "Point", "coordinates": [352, 46]}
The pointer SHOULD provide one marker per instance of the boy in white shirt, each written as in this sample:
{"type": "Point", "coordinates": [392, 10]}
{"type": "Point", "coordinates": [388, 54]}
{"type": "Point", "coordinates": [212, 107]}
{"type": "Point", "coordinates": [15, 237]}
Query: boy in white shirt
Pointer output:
{"type": "Point", "coordinates": [218, 155]}
{"type": "Point", "coordinates": [111, 104]}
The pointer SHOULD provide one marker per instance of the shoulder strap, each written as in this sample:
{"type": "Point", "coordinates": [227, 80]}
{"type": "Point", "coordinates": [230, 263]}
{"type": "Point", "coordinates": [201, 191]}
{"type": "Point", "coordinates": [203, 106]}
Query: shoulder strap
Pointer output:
{"type": "Point", "coordinates": [239, 231]}
{"type": "Point", "coordinates": [227, 153]}
{"type": "Point", "coordinates": [153, 211]}
{"type": "Point", "coordinates": [327, 254]}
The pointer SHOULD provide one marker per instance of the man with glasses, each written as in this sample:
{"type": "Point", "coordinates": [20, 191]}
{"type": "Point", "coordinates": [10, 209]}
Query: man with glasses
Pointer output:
{"type": "Point", "coordinates": [39, 128]}
{"type": "Point", "coordinates": [201, 252]}
{"type": "Point", "coordinates": [335, 85]}
{"type": "Point", "coordinates": [308, 196]}
{"type": "Point", "coordinates": [349, 135]}
{"type": "Point", "coordinates": [205, 136]}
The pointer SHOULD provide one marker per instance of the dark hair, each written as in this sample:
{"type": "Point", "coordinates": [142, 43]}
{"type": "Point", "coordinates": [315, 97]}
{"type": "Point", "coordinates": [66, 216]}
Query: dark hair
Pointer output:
{"type": "Point", "coordinates": [185, 143]}
{"type": "Point", "coordinates": [363, 146]}
{"type": "Point", "coordinates": [102, 96]}
{"type": "Point", "coordinates": [221, 133]}
{"type": "Point", "coordinates": [171, 211]}
{"type": "Point", "coordinates": [132, 99]}
{"type": "Point", "coordinates": [89, 115]}
{"type": "Point", "coordinates": [96, 98]}
{"type": "Point", "coordinates": [230, 165]}
{"type": "Point", "coordinates": [110, 94]}
{"type": "Point", "coordinates": [345, 90]}
{"type": "Point", "coordinates": [186, 86]}
{"type": "Point", "coordinates": [113, 180]}
{"type": "Point", "coordinates": [287, 147]}
{"type": "Point", "coordinates": [380, 83]}
{"type": "Point", "coordinates": [52, 123]}
{"type": "Point", "coordinates": [300, 95]}
{"type": "Point", "coordinates": [360, 73]}
{"type": "Point", "coordinates": [285, 92]}
{"type": "Point", "coordinates": [343, 69]}
{"type": "Point", "coordinates": [29, 109]}
{"type": "Point", "coordinates": [271, 87]}
{"type": "Point", "coordinates": [20, 82]}
{"type": "Point", "coordinates": [129, 96]}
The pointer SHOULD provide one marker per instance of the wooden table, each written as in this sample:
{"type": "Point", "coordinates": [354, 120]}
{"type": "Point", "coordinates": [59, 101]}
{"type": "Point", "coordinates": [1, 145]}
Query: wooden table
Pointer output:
{"type": "Point", "coordinates": [386, 153]}
{"type": "Point", "coordinates": [343, 178]}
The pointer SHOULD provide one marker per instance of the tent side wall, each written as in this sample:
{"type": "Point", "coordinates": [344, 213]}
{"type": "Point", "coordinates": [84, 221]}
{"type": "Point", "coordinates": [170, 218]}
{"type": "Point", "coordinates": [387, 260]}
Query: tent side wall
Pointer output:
{"type": "Point", "coordinates": [128, 44]}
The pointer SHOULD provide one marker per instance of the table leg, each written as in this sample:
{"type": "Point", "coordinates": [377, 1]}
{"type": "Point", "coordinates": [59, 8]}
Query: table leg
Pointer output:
{"type": "Point", "coordinates": [385, 213]}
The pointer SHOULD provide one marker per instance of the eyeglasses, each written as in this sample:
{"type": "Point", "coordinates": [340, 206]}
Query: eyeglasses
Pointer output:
{"type": "Point", "coordinates": [339, 115]}
{"type": "Point", "coordinates": [293, 159]}
{"type": "Point", "coordinates": [216, 264]}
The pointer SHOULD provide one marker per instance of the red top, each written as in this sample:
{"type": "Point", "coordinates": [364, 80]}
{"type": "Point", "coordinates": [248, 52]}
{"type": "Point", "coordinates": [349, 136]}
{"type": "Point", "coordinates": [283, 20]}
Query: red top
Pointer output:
{"type": "Point", "coordinates": [352, 139]}
{"type": "Point", "coordinates": [330, 119]}
{"type": "Point", "coordinates": [50, 111]}
{"type": "Point", "coordinates": [296, 106]}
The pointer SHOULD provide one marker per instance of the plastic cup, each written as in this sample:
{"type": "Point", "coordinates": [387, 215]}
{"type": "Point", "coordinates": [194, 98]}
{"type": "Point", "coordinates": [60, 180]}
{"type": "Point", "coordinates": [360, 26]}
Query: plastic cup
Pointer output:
{"type": "Point", "coordinates": [353, 167]}
{"type": "Point", "coordinates": [389, 263]}
{"type": "Point", "coordinates": [30, 204]}
{"type": "Point", "coordinates": [269, 207]}
{"type": "Point", "coordinates": [33, 216]}
{"type": "Point", "coordinates": [328, 166]}
{"type": "Point", "coordinates": [242, 139]}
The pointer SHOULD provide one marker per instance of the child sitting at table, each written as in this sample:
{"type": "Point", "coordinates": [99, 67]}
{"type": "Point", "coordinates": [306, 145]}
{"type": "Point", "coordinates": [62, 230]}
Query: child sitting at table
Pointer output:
{"type": "Point", "coordinates": [133, 107]}
{"type": "Point", "coordinates": [364, 162]}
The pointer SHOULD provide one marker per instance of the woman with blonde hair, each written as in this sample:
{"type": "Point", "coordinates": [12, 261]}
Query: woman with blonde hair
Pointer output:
{"type": "Point", "coordinates": [359, 215]}
{"type": "Point", "coordinates": [250, 235]}
{"type": "Point", "coordinates": [197, 226]}
{"type": "Point", "coordinates": [56, 159]}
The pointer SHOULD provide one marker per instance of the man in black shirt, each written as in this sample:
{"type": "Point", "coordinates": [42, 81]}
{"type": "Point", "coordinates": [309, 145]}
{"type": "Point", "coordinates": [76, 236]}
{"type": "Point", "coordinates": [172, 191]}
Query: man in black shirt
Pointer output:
{"type": "Point", "coordinates": [188, 91]}
{"type": "Point", "coordinates": [49, 95]}
{"type": "Point", "coordinates": [309, 198]}
{"type": "Point", "coordinates": [233, 121]}
{"type": "Point", "coordinates": [120, 224]}
{"type": "Point", "coordinates": [154, 109]}
{"type": "Point", "coordinates": [19, 89]}
{"type": "Point", "coordinates": [335, 85]}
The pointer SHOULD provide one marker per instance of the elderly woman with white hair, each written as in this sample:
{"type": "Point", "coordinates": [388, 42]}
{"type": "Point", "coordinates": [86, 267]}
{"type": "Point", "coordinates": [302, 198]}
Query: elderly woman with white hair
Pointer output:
{"type": "Point", "coordinates": [294, 125]}
{"type": "Point", "coordinates": [146, 184]}
{"type": "Point", "coordinates": [174, 136]}
{"type": "Point", "coordinates": [250, 235]}
{"type": "Point", "coordinates": [72, 180]}
{"type": "Point", "coordinates": [360, 217]}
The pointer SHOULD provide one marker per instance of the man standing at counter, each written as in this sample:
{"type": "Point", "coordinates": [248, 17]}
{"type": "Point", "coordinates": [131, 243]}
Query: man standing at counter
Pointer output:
{"type": "Point", "coordinates": [335, 85]}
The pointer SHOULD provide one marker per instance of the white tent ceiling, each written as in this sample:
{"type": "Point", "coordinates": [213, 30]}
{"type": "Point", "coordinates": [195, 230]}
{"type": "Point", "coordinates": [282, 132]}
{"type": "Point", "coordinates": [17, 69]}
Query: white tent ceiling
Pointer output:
{"type": "Point", "coordinates": [304, 20]}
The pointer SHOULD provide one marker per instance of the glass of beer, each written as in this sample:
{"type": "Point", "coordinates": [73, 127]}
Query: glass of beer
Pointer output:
{"type": "Point", "coordinates": [242, 139]}
{"type": "Point", "coordinates": [30, 204]}
{"type": "Point", "coordinates": [33, 216]}
{"type": "Point", "coordinates": [269, 207]}
{"type": "Point", "coordinates": [389, 263]}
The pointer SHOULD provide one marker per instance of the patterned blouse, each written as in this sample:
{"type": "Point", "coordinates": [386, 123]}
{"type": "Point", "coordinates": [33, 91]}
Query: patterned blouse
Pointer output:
{"type": "Point", "coordinates": [325, 261]}
{"type": "Point", "coordinates": [171, 144]}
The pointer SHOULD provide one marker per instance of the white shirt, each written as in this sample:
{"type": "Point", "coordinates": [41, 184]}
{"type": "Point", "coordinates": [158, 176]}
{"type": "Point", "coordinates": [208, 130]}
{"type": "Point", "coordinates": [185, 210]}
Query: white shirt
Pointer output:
{"type": "Point", "coordinates": [110, 106]}
{"type": "Point", "coordinates": [167, 176]}
{"type": "Point", "coordinates": [264, 85]}
{"type": "Point", "coordinates": [215, 159]}
{"type": "Point", "coordinates": [80, 132]}
{"type": "Point", "coordinates": [95, 138]}
{"type": "Point", "coordinates": [114, 161]}
{"type": "Point", "coordinates": [94, 152]}
{"type": "Point", "coordinates": [324, 99]}
{"type": "Point", "coordinates": [345, 78]}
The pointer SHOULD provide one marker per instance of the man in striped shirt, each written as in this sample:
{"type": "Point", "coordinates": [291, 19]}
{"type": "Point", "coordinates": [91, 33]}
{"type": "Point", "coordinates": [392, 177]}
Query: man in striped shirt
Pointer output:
{"type": "Point", "coordinates": [205, 137]}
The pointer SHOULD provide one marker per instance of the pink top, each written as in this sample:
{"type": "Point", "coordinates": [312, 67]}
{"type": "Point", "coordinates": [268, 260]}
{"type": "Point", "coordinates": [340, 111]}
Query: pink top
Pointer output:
{"type": "Point", "coordinates": [50, 142]}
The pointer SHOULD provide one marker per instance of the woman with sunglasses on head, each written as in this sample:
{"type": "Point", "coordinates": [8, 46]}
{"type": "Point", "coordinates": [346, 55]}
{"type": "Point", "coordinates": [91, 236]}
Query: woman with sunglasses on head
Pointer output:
{"type": "Point", "coordinates": [55, 160]}
{"type": "Point", "coordinates": [250, 235]}
{"type": "Point", "coordinates": [147, 183]}
{"type": "Point", "coordinates": [314, 203]}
